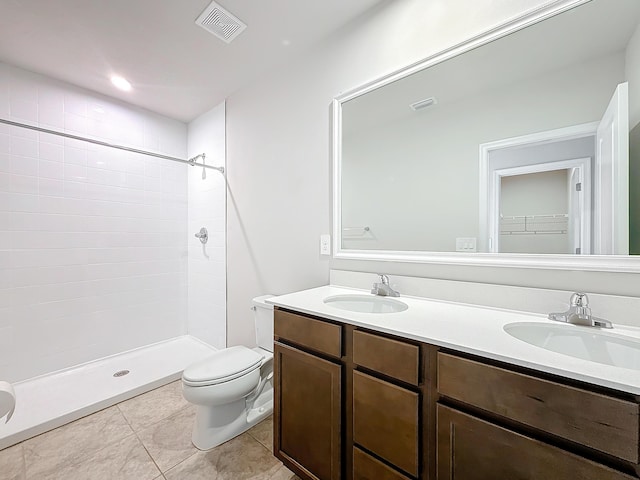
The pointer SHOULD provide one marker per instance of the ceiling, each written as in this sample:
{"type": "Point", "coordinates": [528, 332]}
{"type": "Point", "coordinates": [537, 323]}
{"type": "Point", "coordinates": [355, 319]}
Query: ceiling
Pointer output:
{"type": "Point", "coordinates": [176, 68]}
{"type": "Point", "coordinates": [569, 39]}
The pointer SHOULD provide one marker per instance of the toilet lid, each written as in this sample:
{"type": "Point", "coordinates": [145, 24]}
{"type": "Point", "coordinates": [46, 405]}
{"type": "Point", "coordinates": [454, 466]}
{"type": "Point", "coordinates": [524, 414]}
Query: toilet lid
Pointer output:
{"type": "Point", "coordinates": [222, 366]}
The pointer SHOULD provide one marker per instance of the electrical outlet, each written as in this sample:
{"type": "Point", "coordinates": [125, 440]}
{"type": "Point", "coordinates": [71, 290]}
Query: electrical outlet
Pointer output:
{"type": "Point", "coordinates": [325, 244]}
{"type": "Point", "coordinates": [466, 244]}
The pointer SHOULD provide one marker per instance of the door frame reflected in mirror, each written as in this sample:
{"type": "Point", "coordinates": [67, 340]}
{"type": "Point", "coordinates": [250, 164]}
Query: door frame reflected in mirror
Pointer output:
{"type": "Point", "coordinates": [574, 223]}
{"type": "Point", "coordinates": [489, 187]}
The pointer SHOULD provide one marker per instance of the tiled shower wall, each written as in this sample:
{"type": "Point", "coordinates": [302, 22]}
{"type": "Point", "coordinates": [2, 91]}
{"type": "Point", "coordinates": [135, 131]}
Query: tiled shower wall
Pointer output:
{"type": "Point", "coordinates": [93, 240]}
{"type": "Point", "coordinates": [207, 263]}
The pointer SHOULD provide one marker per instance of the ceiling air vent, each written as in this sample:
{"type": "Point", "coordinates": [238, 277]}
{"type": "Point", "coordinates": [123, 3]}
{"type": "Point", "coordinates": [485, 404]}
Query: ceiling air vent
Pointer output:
{"type": "Point", "coordinates": [220, 22]}
{"type": "Point", "coordinates": [427, 102]}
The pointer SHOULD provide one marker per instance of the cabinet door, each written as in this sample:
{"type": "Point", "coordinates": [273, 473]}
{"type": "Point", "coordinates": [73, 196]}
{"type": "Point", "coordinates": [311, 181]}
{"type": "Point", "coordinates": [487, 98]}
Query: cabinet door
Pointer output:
{"type": "Point", "coordinates": [307, 413]}
{"type": "Point", "coordinates": [472, 449]}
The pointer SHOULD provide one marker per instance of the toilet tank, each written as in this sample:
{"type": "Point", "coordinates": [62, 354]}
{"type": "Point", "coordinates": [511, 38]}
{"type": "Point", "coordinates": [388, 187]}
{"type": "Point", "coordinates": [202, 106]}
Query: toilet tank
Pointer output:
{"type": "Point", "coordinates": [263, 317]}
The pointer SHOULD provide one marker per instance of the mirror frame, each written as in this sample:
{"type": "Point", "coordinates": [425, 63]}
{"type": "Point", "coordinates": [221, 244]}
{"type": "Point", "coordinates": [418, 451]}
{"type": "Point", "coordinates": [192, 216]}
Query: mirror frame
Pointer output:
{"type": "Point", "coordinates": [611, 263]}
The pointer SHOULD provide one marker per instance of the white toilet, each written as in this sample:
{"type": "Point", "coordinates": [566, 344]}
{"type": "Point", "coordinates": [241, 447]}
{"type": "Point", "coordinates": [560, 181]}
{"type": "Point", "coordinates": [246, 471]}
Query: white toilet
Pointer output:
{"type": "Point", "coordinates": [233, 388]}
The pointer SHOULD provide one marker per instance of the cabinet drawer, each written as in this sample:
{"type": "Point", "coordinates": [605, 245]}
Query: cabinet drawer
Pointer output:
{"type": "Point", "coordinates": [365, 467]}
{"type": "Point", "coordinates": [385, 421]}
{"type": "Point", "coordinates": [390, 357]}
{"type": "Point", "coordinates": [470, 448]}
{"type": "Point", "coordinates": [323, 337]}
{"type": "Point", "coordinates": [598, 421]}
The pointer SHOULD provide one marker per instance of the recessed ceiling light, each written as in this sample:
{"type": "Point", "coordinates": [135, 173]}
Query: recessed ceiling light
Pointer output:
{"type": "Point", "coordinates": [121, 83]}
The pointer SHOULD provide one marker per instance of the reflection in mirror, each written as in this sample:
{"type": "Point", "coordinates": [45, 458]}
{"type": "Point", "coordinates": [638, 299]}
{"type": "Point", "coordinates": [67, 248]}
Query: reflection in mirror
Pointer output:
{"type": "Point", "coordinates": [527, 221]}
{"type": "Point", "coordinates": [517, 146]}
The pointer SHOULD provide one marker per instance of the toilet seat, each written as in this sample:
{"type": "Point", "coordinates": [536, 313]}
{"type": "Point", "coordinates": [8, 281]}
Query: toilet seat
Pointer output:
{"type": "Point", "coordinates": [222, 366]}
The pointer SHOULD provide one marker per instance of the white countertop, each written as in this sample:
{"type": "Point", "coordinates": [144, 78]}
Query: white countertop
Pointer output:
{"type": "Point", "coordinates": [467, 328]}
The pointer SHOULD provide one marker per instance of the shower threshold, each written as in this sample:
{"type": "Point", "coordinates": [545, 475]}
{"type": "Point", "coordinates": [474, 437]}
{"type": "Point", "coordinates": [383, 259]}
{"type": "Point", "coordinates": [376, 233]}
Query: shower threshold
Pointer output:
{"type": "Point", "coordinates": [52, 400]}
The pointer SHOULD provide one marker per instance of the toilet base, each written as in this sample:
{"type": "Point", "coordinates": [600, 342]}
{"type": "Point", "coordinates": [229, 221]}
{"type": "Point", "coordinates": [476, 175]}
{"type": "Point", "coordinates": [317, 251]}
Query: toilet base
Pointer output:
{"type": "Point", "coordinates": [216, 425]}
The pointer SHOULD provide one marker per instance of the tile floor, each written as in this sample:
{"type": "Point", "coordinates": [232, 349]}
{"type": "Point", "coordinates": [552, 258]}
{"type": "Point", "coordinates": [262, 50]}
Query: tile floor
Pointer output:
{"type": "Point", "coordinates": [145, 438]}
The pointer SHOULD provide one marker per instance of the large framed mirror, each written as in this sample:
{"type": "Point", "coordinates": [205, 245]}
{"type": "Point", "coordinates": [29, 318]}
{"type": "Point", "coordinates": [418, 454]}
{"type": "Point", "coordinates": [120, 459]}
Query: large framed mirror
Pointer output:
{"type": "Point", "coordinates": [519, 147]}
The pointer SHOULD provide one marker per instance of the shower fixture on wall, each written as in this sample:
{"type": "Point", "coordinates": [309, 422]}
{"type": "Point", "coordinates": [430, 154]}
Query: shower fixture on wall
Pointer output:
{"type": "Point", "coordinates": [191, 161]}
{"type": "Point", "coordinates": [203, 235]}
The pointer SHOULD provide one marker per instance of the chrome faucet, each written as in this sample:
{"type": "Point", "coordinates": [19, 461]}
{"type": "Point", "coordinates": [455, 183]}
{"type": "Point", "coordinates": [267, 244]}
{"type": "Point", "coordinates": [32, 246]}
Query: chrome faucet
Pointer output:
{"type": "Point", "coordinates": [579, 313]}
{"type": "Point", "coordinates": [383, 288]}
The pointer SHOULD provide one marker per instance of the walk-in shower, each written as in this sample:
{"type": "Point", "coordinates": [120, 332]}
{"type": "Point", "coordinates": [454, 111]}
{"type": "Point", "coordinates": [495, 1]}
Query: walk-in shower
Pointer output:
{"type": "Point", "coordinates": [97, 252]}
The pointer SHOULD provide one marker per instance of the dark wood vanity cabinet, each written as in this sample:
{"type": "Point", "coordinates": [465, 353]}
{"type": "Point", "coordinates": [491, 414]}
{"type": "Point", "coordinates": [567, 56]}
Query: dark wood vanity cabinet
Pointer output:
{"type": "Point", "coordinates": [308, 407]}
{"type": "Point", "coordinates": [308, 396]}
{"type": "Point", "coordinates": [498, 422]}
{"type": "Point", "coordinates": [392, 358]}
{"type": "Point", "coordinates": [355, 404]}
{"type": "Point", "coordinates": [601, 422]}
{"type": "Point", "coordinates": [473, 449]}
{"type": "Point", "coordinates": [366, 467]}
{"type": "Point", "coordinates": [349, 403]}
{"type": "Point", "coordinates": [386, 401]}
{"type": "Point", "coordinates": [386, 421]}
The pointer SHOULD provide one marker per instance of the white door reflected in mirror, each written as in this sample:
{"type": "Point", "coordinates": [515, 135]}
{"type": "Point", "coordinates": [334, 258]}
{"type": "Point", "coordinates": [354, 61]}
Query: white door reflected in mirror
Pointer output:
{"type": "Point", "coordinates": [611, 186]}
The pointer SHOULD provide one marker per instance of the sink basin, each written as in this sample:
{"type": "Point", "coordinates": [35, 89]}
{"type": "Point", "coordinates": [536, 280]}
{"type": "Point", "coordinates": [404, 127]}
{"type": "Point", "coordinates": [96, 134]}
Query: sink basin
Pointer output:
{"type": "Point", "coordinates": [585, 343]}
{"type": "Point", "coordinates": [366, 303]}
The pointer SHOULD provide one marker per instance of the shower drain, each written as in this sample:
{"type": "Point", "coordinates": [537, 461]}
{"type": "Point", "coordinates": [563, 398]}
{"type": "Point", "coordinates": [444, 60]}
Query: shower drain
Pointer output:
{"type": "Point", "coordinates": [121, 373]}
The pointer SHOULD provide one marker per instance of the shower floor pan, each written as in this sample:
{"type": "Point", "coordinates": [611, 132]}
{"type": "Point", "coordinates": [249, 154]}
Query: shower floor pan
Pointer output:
{"type": "Point", "coordinates": [52, 400]}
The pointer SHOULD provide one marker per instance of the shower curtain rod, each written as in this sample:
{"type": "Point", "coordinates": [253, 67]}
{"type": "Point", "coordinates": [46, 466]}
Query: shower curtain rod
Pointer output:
{"type": "Point", "coordinates": [191, 161]}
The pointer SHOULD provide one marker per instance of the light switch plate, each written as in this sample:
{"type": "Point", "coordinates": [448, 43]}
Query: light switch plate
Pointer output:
{"type": "Point", "coordinates": [466, 244]}
{"type": "Point", "coordinates": [325, 244]}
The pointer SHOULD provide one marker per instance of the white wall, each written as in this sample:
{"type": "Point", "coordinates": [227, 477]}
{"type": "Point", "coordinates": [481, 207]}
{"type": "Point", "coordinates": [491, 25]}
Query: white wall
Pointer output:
{"type": "Point", "coordinates": [92, 239]}
{"type": "Point", "coordinates": [207, 267]}
{"type": "Point", "coordinates": [413, 164]}
{"type": "Point", "coordinates": [278, 143]}
{"type": "Point", "coordinates": [541, 193]}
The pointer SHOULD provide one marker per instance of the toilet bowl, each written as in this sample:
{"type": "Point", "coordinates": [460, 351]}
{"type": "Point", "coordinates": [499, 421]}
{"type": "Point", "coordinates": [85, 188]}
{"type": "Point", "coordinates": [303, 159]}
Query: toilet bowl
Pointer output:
{"type": "Point", "coordinates": [232, 388]}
